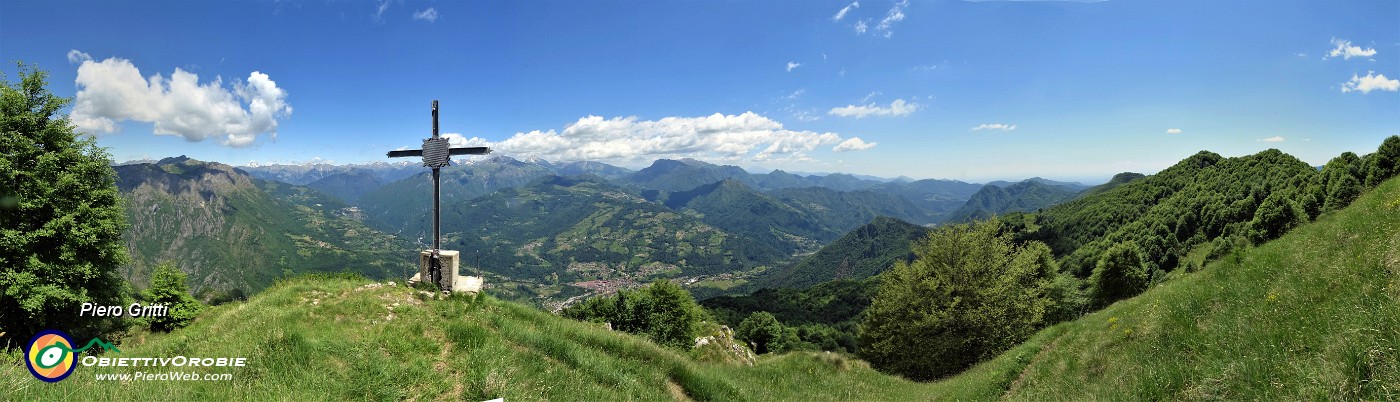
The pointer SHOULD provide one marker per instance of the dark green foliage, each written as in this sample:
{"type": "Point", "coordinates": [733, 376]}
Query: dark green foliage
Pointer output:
{"type": "Point", "coordinates": [1274, 217]}
{"type": "Point", "coordinates": [969, 295]}
{"type": "Point", "coordinates": [826, 315]}
{"type": "Point", "coordinates": [1342, 178]}
{"type": "Point", "coordinates": [763, 332]}
{"type": "Point", "coordinates": [862, 253]}
{"type": "Point", "coordinates": [1195, 201]}
{"type": "Point", "coordinates": [663, 312]}
{"type": "Point", "coordinates": [168, 288]}
{"type": "Point", "coordinates": [60, 216]}
{"type": "Point", "coordinates": [1025, 196]}
{"type": "Point", "coordinates": [1120, 274]}
{"type": "Point", "coordinates": [1385, 163]}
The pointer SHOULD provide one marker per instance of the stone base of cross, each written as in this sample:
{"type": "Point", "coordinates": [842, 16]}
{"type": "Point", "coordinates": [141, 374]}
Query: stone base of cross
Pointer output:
{"type": "Point", "coordinates": [451, 279]}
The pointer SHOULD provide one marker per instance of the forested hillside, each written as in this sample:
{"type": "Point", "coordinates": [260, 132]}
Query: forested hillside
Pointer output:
{"type": "Point", "coordinates": [994, 199]}
{"type": "Point", "coordinates": [234, 233]}
{"type": "Point", "coordinates": [862, 253]}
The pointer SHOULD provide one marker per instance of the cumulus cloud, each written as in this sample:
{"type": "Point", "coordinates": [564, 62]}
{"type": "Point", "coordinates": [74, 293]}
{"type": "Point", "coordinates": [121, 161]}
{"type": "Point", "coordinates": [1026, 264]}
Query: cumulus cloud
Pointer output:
{"type": "Point", "coordinates": [113, 90]}
{"type": "Point", "coordinates": [842, 14]}
{"type": "Point", "coordinates": [1173, 131]}
{"type": "Point", "coordinates": [995, 126]}
{"type": "Point", "coordinates": [1272, 139]}
{"type": "Point", "coordinates": [1346, 50]}
{"type": "Point", "coordinates": [746, 136]}
{"type": "Point", "coordinates": [792, 64]}
{"type": "Point", "coordinates": [897, 108]}
{"type": "Point", "coordinates": [74, 56]}
{"type": "Point", "coordinates": [1371, 82]}
{"type": "Point", "coordinates": [430, 15]}
{"type": "Point", "coordinates": [862, 26]}
{"type": "Point", "coordinates": [853, 144]}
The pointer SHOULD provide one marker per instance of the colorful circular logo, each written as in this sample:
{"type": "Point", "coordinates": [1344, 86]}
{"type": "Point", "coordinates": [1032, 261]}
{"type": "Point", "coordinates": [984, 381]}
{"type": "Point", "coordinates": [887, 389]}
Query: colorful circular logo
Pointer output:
{"type": "Point", "coordinates": [50, 356]}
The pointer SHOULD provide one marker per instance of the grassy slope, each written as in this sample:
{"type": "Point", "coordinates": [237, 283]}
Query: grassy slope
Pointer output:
{"type": "Point", "coordinates": [333, 340]}
{"type": "Point", "coordinates": [1314, 315]}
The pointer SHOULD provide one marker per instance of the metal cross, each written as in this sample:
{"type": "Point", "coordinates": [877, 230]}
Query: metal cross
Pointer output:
{"type": "Point", "coordinates": [437, 154]}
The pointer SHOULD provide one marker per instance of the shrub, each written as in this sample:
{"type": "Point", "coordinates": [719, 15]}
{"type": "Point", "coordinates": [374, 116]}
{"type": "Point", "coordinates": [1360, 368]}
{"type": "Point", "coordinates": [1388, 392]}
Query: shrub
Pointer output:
{"type": "Point", "coordinates": [1120, 274]}
{"type": "Point", "coordinates": [168, 288]}
{"type": "Point", "coordinates": [762, 331]}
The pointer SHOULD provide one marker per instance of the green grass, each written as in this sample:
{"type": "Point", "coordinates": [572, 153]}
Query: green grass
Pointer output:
{"type": "Point", "coordinates": [332, 339]}
{"type": "Point", "coordinates": [1313, 315]}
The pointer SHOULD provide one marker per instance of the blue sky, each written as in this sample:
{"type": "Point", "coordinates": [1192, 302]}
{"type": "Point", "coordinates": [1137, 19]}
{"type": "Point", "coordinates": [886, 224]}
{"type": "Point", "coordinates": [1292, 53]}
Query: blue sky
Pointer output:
{"type": "Point", "coordinates": [928, 89]}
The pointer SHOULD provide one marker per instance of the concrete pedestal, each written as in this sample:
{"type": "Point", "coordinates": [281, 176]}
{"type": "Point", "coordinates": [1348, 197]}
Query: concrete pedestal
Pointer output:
{"type": "Point", "coordinates": [451, 280]}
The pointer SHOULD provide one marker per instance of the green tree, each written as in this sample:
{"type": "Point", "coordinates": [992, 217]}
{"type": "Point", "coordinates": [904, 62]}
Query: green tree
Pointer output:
{"type": "Point", "coordinates": [968, 295]}
{"type": "Point", "coordinates": [60, 216]}
{"type": "Point", "coordinates": [1385, 163]}
{"type": "Point", "coordinates": [1121, 273]}
{"type": "Point", "coordinates": [168, 288]}
{"type": "Point", "coordinates": [673, 317]}
{"type": "Point", "coordinates": [762, 331]}
{"type": "Point", "coordinates": [1275, 216]}
{"type": "Point", "coordinates": [664, 312]}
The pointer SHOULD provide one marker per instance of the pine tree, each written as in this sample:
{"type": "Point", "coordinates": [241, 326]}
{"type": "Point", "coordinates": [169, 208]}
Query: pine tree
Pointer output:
{"type": "Point", "coordinates": [60, 216]}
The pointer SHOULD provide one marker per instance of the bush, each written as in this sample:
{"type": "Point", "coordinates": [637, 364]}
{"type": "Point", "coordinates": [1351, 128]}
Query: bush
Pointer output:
{"type": "Point", "coordinates": [664, 312]}
{"type": "Point", "coordinates": [168, 288]}
{"type": "Point", "coordinates": [1120, 274]}
{"type": "Point", "coordinates": [762, 331]}
{"type": "Point", "coordinates": [1275, 216]}
{"type": "Point", "coordinates": [969, 295]}
{"type": "Point", "coordinates": [61, 217]}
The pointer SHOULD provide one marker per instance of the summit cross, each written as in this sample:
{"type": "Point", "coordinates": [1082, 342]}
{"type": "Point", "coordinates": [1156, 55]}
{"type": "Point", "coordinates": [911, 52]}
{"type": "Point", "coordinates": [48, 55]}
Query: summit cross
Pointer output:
{"type": "Point", "coordinates": [436, 153]}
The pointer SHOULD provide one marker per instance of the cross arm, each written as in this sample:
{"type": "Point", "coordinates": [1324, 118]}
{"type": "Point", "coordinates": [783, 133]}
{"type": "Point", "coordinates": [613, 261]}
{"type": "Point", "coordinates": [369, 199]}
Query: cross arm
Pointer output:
{"type": "Point", "coordinates": [467, 151]}
{"type": "Point", "coordinates": [404, 153]}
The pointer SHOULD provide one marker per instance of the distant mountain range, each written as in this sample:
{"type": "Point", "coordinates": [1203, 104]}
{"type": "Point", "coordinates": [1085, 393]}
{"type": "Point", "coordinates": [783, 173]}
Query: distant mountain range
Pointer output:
{"type": "Point", "coordinates": [546, 224]}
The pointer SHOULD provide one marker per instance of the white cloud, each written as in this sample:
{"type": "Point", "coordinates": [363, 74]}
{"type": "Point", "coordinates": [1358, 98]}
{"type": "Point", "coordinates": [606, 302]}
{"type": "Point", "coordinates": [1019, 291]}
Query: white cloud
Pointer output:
{"type": "Point", "coordinates": [1346, 50]}
{"type": "Point", "coordinates": [74, 56]}
{"type": "Point", "coordinates": [853, 144]}
{"type": "Point", "coordinates": [716, 137]}
{"type": "Point", "coordinates": [897, 108]}
{"type": "Point", "coordinates": [792, 64]}
{"type": "Point", "coordinates": [1371, 82]}
{"type": "Point", "coordinates": [379, 11]}
{"type": "Point", "coordinates": [861, 26]}
{"type": "Point", "coordinates": [1173, 131]}
{"type": "Point", "coordinates": [894, 16]}
{"type": "Point", "coordinates": [430, 15]}
{"type": "Point", "coordinates": [842, 14]}
{"type": "Point", "coordinates": [795, 94]}
{"type": "Point", "coordinates": [458, 140]}
{"type": "Point", "coordinates": [113, 90]}
{"type": "Point", "coordinates": [995, 126]}
{"type": "Point", "coordinates": [1272, 139]}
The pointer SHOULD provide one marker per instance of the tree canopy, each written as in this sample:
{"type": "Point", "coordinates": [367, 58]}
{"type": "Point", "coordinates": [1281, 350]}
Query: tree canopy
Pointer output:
{"type": "Point", "coordinates": [60, 216]}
